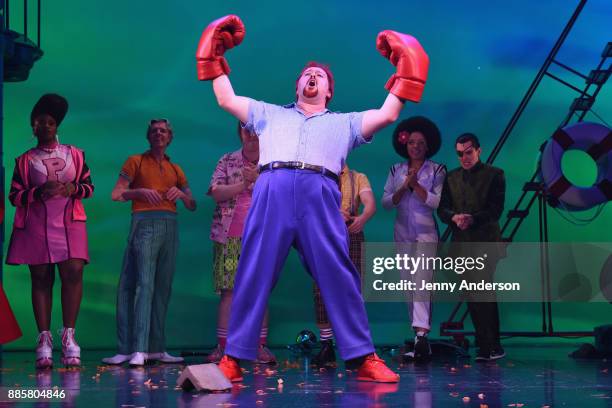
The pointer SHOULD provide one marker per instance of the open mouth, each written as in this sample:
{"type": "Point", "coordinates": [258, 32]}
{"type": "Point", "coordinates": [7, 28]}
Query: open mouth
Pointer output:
{"type": "Point", "coordinates": [310, 90]}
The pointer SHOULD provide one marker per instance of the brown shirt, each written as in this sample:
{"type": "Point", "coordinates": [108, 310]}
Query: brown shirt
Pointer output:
{"type": "Point", "coordinates": [144, 171]}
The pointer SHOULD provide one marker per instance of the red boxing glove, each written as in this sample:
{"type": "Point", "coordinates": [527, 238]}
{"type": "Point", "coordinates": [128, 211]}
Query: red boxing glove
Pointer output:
{"type": "Point", "coordinates": [220, 35]}
{"type": "Point", "coordinates": [405, 52]}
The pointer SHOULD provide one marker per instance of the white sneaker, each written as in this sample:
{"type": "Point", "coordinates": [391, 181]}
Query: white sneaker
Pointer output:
{"type": "Point", "coordinates": [44, 350]}
{"type": "Point", "coordinates": [71, 352]}
{"type": "Point", "coordinates": [138, 359]}
{"type": "Point", "coordinates": [165, 358]}
{"type": "Point", "coordinates": [117, 359]}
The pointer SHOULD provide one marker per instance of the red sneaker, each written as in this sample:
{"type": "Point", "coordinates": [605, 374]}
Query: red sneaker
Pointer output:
{"type": "Point", "coordinates": [375, 369]}
{"type": "Point", "coordinates": [230, 369]}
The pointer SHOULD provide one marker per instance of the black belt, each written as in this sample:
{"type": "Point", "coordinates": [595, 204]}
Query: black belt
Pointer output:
{"type": "Point", "coordinates": [301, 166]}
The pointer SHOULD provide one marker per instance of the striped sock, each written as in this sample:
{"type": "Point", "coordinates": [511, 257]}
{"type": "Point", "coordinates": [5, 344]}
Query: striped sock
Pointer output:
{"type": "Point", "coordinates": [263, 336]}
{"type": "Point", "coordinates": [326, 334]}
{"type": "Point", "coordinates": [221, 336]}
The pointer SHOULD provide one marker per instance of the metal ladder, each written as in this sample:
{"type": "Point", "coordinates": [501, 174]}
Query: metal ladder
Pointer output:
{"type": "Point", "coordinates": [533, 190]}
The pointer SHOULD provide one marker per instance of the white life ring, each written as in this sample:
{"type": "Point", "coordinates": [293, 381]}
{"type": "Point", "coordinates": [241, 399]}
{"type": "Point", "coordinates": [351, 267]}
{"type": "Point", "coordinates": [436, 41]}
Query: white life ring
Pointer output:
{"type": "Point", "coordinates": [595, 140]}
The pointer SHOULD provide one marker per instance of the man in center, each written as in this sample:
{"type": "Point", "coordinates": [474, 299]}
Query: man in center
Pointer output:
{"type": "Point", "coordinates": [296, 200]}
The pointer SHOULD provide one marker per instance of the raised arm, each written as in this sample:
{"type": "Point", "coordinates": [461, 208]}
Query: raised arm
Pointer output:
{"type": "Point", "coordinates": [412, 63]}
{"type": "Point", "coordinates": [221, 35]}
{"type": "Point", "coordinates": [376, 119]}
{"type": "Point", "coordinates": [238, 106]}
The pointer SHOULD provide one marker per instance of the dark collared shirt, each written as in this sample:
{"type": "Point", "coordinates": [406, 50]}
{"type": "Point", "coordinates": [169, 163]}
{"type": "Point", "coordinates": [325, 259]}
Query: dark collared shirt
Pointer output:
{"type": "Point", "coordinates": [480, 192]}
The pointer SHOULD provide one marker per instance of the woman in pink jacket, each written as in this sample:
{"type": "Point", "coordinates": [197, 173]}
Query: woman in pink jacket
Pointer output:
{"type": "Point", "coordinates": [49, 182]}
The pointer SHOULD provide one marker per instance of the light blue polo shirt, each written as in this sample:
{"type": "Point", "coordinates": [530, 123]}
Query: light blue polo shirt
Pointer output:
{"type": "Point", "coordinates": [287, 134]}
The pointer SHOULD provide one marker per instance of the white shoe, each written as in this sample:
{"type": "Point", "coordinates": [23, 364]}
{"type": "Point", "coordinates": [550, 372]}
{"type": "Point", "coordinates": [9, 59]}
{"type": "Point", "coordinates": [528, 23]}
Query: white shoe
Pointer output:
{"type": "Point", "coordinates": [71, 352]}
{"type": "Point", "coordinates": [44, 350]}
{"type": "Point", "coordinates": [117, 359]}
{"type": "Point", "coordinates": [138, 359]}
{"type": "Point", "coordinates": [165, 358]}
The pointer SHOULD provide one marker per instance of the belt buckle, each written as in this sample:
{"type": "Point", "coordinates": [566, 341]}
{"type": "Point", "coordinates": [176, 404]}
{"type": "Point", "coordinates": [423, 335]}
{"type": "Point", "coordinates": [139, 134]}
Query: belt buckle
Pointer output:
{"type": "Point", "coordinates": [301, 165]}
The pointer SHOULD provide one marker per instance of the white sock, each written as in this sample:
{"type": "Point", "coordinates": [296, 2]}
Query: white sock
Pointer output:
{"type": "Point", "coordinates": [326, 334]}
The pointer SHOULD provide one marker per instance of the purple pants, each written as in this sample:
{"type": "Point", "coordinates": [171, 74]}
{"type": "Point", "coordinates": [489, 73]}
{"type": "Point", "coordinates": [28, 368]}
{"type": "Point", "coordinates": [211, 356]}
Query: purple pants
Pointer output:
{"type": "Point", "coordinates": [296, 208]}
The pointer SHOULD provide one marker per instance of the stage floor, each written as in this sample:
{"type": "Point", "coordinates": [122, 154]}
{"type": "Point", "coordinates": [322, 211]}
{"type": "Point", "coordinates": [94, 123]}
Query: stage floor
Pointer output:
{"type": "Point", "coordinates": [530, 376]}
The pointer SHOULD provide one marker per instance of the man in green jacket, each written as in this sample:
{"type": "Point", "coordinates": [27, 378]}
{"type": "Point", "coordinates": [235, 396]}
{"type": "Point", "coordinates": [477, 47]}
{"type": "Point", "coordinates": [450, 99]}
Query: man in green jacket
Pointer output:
{"type": "Point", "coordinates": [471, 204]}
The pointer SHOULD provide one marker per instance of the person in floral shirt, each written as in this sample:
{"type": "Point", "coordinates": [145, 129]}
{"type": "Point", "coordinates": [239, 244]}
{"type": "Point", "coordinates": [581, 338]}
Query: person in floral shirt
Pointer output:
{"type": "Point", "coordinates": [232, 187]}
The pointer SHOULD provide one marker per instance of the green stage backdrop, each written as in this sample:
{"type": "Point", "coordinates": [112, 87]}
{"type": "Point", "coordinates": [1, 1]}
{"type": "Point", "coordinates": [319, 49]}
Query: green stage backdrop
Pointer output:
{"type": "Point", "coordinates": [123, 63]}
